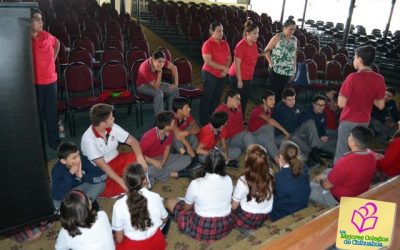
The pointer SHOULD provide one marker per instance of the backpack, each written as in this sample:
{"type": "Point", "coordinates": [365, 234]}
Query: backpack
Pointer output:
{"type": "Point", "coordinates": [301, 77]}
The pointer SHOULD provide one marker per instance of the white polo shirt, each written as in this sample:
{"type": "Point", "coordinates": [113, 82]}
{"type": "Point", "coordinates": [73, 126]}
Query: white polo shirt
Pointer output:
{"type": "Point", "coordinates": [94, 147]}
{"type": "Point", "coordinates": [121, 218]}
{"type": "Point", "coordinates": [211, 195]}
{"type": "Point", "coordinates": [240, 195]}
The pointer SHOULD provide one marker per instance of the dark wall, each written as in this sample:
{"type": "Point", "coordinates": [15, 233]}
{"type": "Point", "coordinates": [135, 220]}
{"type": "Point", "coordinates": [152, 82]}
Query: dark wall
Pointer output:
{"type": "Point", "coordinates": [24, 185]}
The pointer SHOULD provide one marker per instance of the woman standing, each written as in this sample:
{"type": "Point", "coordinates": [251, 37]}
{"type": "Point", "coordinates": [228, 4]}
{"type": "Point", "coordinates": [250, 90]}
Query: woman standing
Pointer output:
{"type": "Point", "coordinates": [242, 69]}
{"type": "Point", "coordinates": [282, 59]}
{"type": "Point", "coordinates": [217, 58]}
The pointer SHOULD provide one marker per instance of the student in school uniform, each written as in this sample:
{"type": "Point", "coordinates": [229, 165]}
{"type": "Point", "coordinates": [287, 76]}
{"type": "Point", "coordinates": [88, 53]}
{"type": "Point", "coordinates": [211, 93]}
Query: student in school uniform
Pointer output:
{"type": "Point", "coordinates": [156, 145]}
{"type": "Point", "coordinates": [237, 138]}
{"type": "Point", "coordinates": [205, 212]}
{"type": "Point", "coordinates": [253, 196]}
{"type": "Point", "coordinates": [211, 134]}
{"type": "Point", "coordinates": [263, 126]}
{"type": "Point", "coordinates": [185, 128]}
{"type": "Point", "coordinates": [99, 144]}
{"type": "Point", "coordinates": [138, 217]}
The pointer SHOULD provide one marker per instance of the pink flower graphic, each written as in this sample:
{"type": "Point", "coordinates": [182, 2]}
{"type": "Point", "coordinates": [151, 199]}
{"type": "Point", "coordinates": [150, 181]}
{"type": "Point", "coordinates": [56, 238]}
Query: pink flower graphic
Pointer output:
{"type": "Point", "coordinates": [363, 218]}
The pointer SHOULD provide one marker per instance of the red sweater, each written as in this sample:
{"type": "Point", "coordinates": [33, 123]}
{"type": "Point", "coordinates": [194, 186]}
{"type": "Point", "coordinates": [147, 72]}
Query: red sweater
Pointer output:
{"type": "Point", "coordinates": [390, 163]}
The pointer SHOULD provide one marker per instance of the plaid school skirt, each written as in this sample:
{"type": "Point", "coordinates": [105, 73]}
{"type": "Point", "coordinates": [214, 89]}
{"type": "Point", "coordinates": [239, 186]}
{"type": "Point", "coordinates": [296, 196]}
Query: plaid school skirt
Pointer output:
{"type": "Point", "coordinates": [155, 242]}
{"type": "Point", "coordinates": [206, 229]}
{"type": "Point", "coordinates": [249, 221]}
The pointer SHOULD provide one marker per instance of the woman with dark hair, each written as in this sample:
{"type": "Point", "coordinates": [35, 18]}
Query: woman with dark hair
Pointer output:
{"type": "Point", "coordinates": [292, 184]}
{"type": "Point", "coordinates": [242, 68]}
{"type": "Point", "coordinates": [82, 226]}
{"type": "Point", "coordinates": [149, 83]}
{"type": "Point", "coordinates": [217, 58]}
{"type": "Point", "coordinates": [281, 56]}
{"type": "Point", "coordinates": [139, 215]}
{"type": "Point", "coordinates": [253, 196]}
{"type": "Point", "coordinates": [205, 212]}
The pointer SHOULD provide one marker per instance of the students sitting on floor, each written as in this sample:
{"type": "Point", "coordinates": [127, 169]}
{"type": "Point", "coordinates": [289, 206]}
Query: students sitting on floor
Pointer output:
{"type": "Point", "coordinates": [292, 184]}
{"type": "Point", "coordinates": [237, 138]}
{"type": "Point", "coordinates": [156, 145]}
{"type": "Point", "coordinates": [205, 212]}
{"type": "Point", "coordinates": [73, 171]}
{"type": "Point", "coordinates": [185, 128]}
{"type": "Point", "coordinates": [262, 125]}
{"type": "Point", "coordinates": [82, 226]}
{"type": "Point", "coordinates": [351, 175]}
{"type": "Point", "coordinates": [211, 134]}
{"type": "Point", "coordinates": [332, 114]}
{"type": "Point", "coordinates": [303, 134]}
{"type": "Point", "coordinates": [253, 196]}
{"type": "Point", "coordinates": [100, 142]}
{"type": "Point", "coordinates": [138, 217]}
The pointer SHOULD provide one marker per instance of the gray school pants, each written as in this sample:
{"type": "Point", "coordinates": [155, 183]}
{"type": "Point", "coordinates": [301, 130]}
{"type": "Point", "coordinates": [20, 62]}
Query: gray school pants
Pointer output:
{"type": "Point", "coordinates": [92, 191]}
{"type": "Point", "coordinates": [239, 143]}
{"type": "Point", "coordinates": [344, 130]}
{"type": "Point", "coordinates": [174, 163]}
{"type": "Point", "coordinates": [265, 136]}
{"type": "Point", "coordinates": [322, 196]}
{"type": "Point", "coordinates": [306, 137]}
{"type": "Point", "coordinates": [382, 132]}
{"type": "Point", "coordinates": [158, 95]}
{"type": "Point", "coordinates": [192, 139]}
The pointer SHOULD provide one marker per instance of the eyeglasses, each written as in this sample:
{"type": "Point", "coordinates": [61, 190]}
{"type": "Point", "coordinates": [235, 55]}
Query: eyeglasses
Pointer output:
{"type": "Point", "coordinates": [320, 104]}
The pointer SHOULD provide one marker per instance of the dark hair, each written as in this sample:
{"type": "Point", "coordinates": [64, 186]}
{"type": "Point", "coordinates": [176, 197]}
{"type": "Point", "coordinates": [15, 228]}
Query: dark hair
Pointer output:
{"type": "Point", "coordinates": [258, 174]}
{"type": "Point", "coordinates": [288, 92]}
{"type": "Point", "coordinates": [215, 162]}
{"type": "Point", "coordinates": [267, 94]}
{"type": "Point", "coordinates": [100, 112]}
{"type": "Point", "coordinates": [163, 119]}
{"type": "Point", "coordinates": [179, 103]}
{"type": "Point", "coordinates": [335, 97]}
{"type": "Point", "coordinates": [366, 53]}
{"type": "Point", "coordinates": [289, 22]}
{"type": "Point", "coordinates": [65, 149]}
{"type": "Point", "coordinates": [319, 97]}
{"type": "Point", "coordinates": [158, 53]}
{"type": "Point", "coordinates": [391, 91]}
{"type": "Point", "coordinates": [34, 11]}
{"type": "Point", "coordinates": [362, 136]}
{"type": "Point", "coordinates": [75, 212]}
{"type": "Point", "coordinates": [134, 177]}
{"type": "Point", "coordinates": [230, 93]}
{"type": "Point", "coordinates": [214, 25]}
{"type": "Point", "coordinates": [218, 119]}
{"type": "Point", "coordinates": [249, 26]}
{"type": "Point", "coordinates": [290, 153]}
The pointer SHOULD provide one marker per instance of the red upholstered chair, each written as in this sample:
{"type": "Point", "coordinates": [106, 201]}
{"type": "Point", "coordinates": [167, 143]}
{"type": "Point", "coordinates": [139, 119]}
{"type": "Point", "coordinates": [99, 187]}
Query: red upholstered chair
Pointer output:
{"type": "Point", "coordinates": [333, 73]}
{"type": "Point", "coordinates": [141, 44]}
{"type": "Point", "coordinates": [114, 82]}
{"type": "Point", "coordinates": [81, 55]}
{"type": "Point", "coordinates": [112, 54]}
{"type": "Point", "coordinates": [79, 90]}
{"type": "Point", "coordinates": [327, 50]}
{"type": "Point", "coordinates": [300, 57]}
{"type": "Point", "coordinates": [348, 69]}
{"type": "Point", "coordinates": [132, 56]}
{"type": "Point", "coordinates": [341, 58]}
{"type": "Point", "coordinates": [186, 87]}
{"type": "Point", "coordinates": [309, 51]}
{"type": "Point", "coordinates": [320, 59]}
{"type": "Point", "coordinates": [375, 68]}
{"type": "Point", "coordinates": [86, 43]}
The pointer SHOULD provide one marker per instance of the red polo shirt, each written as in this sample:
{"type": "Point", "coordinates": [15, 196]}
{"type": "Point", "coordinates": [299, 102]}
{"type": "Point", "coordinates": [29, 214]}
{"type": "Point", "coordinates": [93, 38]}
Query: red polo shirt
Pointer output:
{"type": "Point", "coordinates": [151, 144]}
{"type": "Point", "coordinates": [235, 120]}
{"type": "Point", "coordinates": [255, 121]}
{"type": "Point", "coordinates": [146, 74]}
{"type": "Point", "coordinates": [208, 138]}
{"type": "Point", "coordinates": [352, 174]}
{"type": "Point", "coordinates": [331, 120]}
{"type": "Point", "coordinates": [183, 124]}
{"type": "Point", "coordinates": [219, 52]}
{"type": "Point", "coordinates": [248, 55]}
{"type": "Point", "coordinates": [43, 58]}
{"type": "Point", "coordinates": [361, 90]}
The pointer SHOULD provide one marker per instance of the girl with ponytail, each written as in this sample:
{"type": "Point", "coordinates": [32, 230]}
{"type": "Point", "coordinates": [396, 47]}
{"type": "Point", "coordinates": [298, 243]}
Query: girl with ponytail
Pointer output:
{"type": "Point", "coordinates": [292, 183]}
{"type": "Point", "coordinates": [253, 196]}
{"type": "Point", "coordinates": [139, 215]}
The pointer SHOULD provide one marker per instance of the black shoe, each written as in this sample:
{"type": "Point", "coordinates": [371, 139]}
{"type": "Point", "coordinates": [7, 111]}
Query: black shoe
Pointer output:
{"type": "Point", "coordinates": [195, 165]}
{"type": "Point", "coordinates": [324, 154]}
{"type": "Point", "coordinates": [314, 156]}
{"type": "Point", "coordinates": [233, 164]}
{"type": "Point", "coordinates": [185, 174]}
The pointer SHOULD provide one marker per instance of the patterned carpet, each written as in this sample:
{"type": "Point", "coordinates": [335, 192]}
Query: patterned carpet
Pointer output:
{"type": "Point", "coordinates": [177, 187]}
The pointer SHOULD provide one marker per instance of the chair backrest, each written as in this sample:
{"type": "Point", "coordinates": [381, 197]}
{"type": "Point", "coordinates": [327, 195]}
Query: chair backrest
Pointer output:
{"type": "Point", "coordinates": [312, 69]}
{"type": "Point", "coordinates": [86, 43]}
{"type": "Point", "coordinates": [94, 37]}
{"type": "Point", "coordinates": [64, 37]}
{"type": "Point", "coordinates": [184, 68]}
{"type": "Point", "coordinates": [111, 54]}
{"type": "Point", "coordinates": [309, 51]}
{"type": "Point", "coordinates": [62, 55]}
{"type": "Point", "coordinates": [333, 71]}
{"type": "Point", "coordinates": [314, 42]}
{"type": "Point", "coordinates": [167, 53]}
{"type": "Point", "coordinates": [78, 78]}
{"type": "Point", "coordinates": [113, 43]}
{"type": "Point", "coordinates": [141, 44]}
{"type": "Point", "coordinates": [134, 72]}
{"type": "Point", "coordinates": [343, 51]}
{"type": "Point", "coordinates": [133, 55]}
{"type": "Point", "coordinates": [375, 68]}
{"type": "Point", "coordinates": [113, 76]}
{"type": "Point", "coordinates": [320, 59]}
{"type": "Point", "coordinates": [341, 58]}
{"type": "Point", "coordinates": [348, 69]}
{"type": "Point", "coordinates": [300, 57]}
{"type": "Point", "coordinates": [81, 55]}
{"type": "Point", "coordinates": [334, 47]}
{"type": "Point", "coordinates": [327, 50]}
